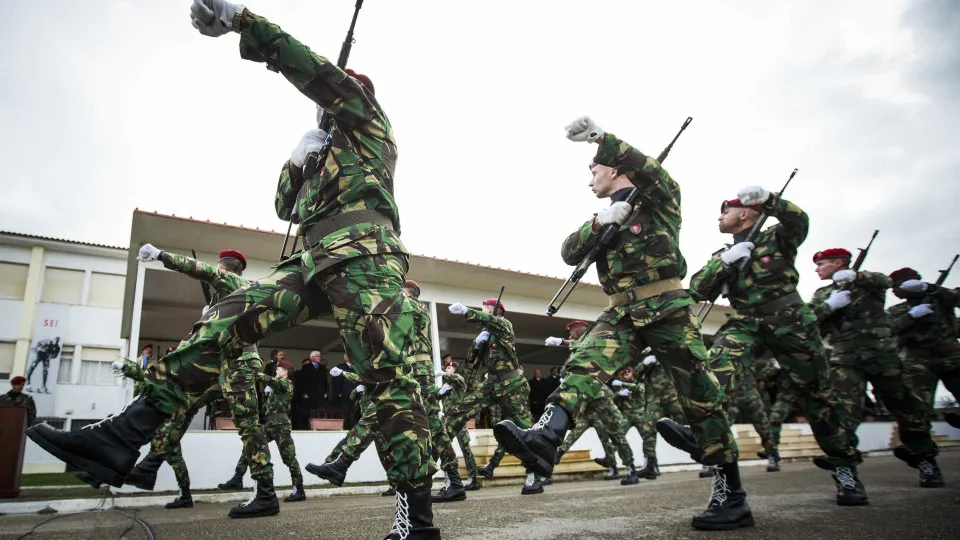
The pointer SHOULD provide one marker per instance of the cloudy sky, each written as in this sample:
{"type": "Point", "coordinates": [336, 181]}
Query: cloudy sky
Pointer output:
{"type": "Point", "coordinates": [111, 105]}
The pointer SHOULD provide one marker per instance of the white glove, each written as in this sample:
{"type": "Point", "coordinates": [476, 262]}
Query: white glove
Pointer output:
{"type": "Point", "coordinates": [736, 252]}
{"type": "Point", "coordinates": [148, 253]}
{"type": "Point", "coordinates": [583, 129]}
{"type": "Point", "coordinates": [561, 380]}
{"type": "Point", "coordinates": [445, 388]}
{"type": "Point", "coordinates": [312, 141]}
{"type": "Point", "coordinates": [361, 388]}
{"type": "Point", "coordinates": [913, 285]}
{"type": "Point", "coordinates": [458, 309]}
{"type": "Point", "coordinates": [753, 195]}
{"type": "Point", "coordinates": [625, 392]}
{"type": "Point", "coordinates": [336, 372]}
{"type": "Point", "coordinates": [617, 213]}
{"type": "Point", "coordinates": [213, 18]}
{"type": "Point", "coordinates": [616, 382]}
{"type": "Point", "coordinates": [440, 373]}
{"type": "Point", "coordinates": [920, 310]}
{"type": "Point", "coordinates": [117, 365]}
{"type": "Point", "coordinates": [482, 338]}
{"type": "Point", "coordinates": [650, 360]}
{"type": "Point", "coordinates": [838, 299]}
{"type": "Point", "coordinates": [203, 312]}
{"type": "Point", "coordinates": [776, 365]}
{"type": "Point", "coordinates": [267, 389]}
{"type": "Point", "coordinates": [553, 341]}
{"type": "Point", "coordinates": [841, 277]}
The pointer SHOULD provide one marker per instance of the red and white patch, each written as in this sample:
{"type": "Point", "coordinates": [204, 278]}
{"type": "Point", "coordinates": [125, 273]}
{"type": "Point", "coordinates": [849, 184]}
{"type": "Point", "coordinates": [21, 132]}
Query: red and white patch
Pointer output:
{"type": "Point", "coordinates": [766, 259]}
{"type": "Point", "coordinates": [635, 229]}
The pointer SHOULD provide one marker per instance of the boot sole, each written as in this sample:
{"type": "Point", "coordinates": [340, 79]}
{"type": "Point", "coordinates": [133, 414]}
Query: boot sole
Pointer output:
{"type": "Point", "coordinates": [515, 446]}
{"type": "Point", "coordinates": [709, 526]}
{"type": "Point", "coordinates": [298, 499]}
{"type": "Point", "coordinates": [937, 485]}
{"type": "Point", "coordinates": [102, 473]}
{"type": "Point", "coordinates": [147, 487]}
{"type": "Point", "coordinates": [265, 513]}
{"type": "Point", "coordinates": [531, 492]}
{"type": "Point", "coordinates": [852, 503]}
{"type": "Point", "coordinates": [679, 441]}
{"type": "Point", "coordinates": [472, 488]}
{"type": "Point", "coordinates": [179, 506]}
{"type": "Point", "coordinates": [456, 498]}
{"type": "Point", "coordinates": [332, 479]}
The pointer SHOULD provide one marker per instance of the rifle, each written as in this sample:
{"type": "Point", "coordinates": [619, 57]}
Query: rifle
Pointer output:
{"type": "Point", "coordinates": [834, 320]}
{"type": "Point", "coordinates": [483, 350]}
{"type": "Point", "coordinates": [607, 238]}
{"type": "Point", "coordinates": [915, 333]}
{"type": "Point", "coordinates": [946, 272]}
{"type": "Point", "coordinates": [203, 284]}
{"type": "Point", "coordinates": [314, 159]}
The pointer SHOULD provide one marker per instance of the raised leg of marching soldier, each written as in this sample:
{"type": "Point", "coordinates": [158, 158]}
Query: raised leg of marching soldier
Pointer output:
{"type": "Point", "coordinates": [348, 450]}
{"type": "Point", "coordinates": [288, 454]}
{"type": "Point", "coordinates": [658, 405]}
{"type": "Point", "coordinates": [616, 427]}
{"type": "Point", "coordinates": [747, 400]}
{"type": "Point", "coordinates": [591, 420]}
{"type": "Point", "coordinates": [463, 437]}
{"type": "Point", "coordinates": [453, 489]}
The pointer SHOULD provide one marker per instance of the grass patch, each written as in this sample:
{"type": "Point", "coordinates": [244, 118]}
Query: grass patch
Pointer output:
{"type": "Point", "coordinates": [50, 479]}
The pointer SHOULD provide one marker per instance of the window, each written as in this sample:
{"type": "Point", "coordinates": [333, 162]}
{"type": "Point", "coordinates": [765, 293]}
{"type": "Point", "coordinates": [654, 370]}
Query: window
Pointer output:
{"type": "Point", "coordinates": [62, 286]}
{"type": "Point", "coordinates": [95, 365]}
{"type": "Point", "coordinates": [13, 280]}
{"type": "Point", "coordinates": [66, 364]}
{"type": "Point", "coordinates": [6, 359]}
{"type": "Point", "coordinates": [106, 290]}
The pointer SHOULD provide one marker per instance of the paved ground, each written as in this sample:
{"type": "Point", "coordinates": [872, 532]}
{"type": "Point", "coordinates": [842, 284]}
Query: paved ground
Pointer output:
{"type": "Point", "coordinates": [795, 504]}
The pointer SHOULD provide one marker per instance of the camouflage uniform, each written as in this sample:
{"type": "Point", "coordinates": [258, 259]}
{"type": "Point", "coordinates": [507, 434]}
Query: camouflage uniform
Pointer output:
{"type": "Point", "coordinates": [166, 441]}
{"type": "Point", "coordinates": [771, 314]}
{"type": "Point", "coordinates": [930, 349]}
{"type": "Point", "coordinates": [276, 425]}
{"type": "Point", "coordinates": [864, 351]}
{"type": "Point", "coordinates": [746, 398]}
{"type": "Point", "coordinates": [352, 267]}
{"type": "Point", "coordinates": [647, 254]}
{"type": "Point", "coordinates": [660, 401]}
{"type": "Point", "coordinates": [786, 401]}
{"type": "Point", "coordinates": [604, 416]}
{"type": "Point", "coordinates": [459, 388]}
{"type": "Point", "coordinates": [21, 399]}
{"type": "Point", "coordinates": [363, 432]}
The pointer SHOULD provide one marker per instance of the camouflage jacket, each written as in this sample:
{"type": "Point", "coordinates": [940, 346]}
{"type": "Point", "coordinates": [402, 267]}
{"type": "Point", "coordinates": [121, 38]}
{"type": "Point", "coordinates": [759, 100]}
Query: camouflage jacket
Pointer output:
{"type": "Point", "coordinates": [421, 347]}
{"type": "Point", "coordinates": [637, 399]}
{"type": "Point", "coordinates": [647, 248]}
{"type": "Point", "coordinates": [358, 171]}
{"type": "Point", "coordinates": [278, 400]}
{"type": "Point", "coordinates": [367, 407]}
{"type": "Point", "coordinates": [457, 384]}
{"type": "Point", "coordinates": [132, 370]}
{"type": "Point", "coordinates": [864, 322]}
{"type": "Point", "coordinates": [657, 384]}
{"type": "Point", "coordinates": [771, 273]}
{"type": "Point", "coordinates": [938, 329]}
{"type": "Point", "coordinates": [21, 399]}
{"type": "Point", "coordinates": [501, 352]}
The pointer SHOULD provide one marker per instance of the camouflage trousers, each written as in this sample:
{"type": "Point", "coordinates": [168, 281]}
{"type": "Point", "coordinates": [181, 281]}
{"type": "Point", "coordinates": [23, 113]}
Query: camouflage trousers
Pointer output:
{"type": "Point", "coordinates": [676, 341]}
{"type": "Point", "coordinates": [360, 435]}
{"type": "Point", "coordinates": [779, 412]}
{"type": "Point", "coordinates": [279, 432]}
{"type": "Point", "coordinates": [604, 416]}
{"type": "Point", "coordinates": [463, 437]}
{"type": "Point", "coordinates": [746, 398]}
{"type": "Point", "coordinates": [166, 440]}
{"type": "Point", "coordinates": [657, 407]}
{"type": "Point", "coordinates": [924, 368]}
{"type": "Point", "coordinates": [468, 407]}
{"type": "Point", "coordinates": [851, 370]}
{"type": "Point", "coordinates": [442, 447]}
{"type": "Point", "coordinates": [514, 404]}
{"type": "Point", "coordinates": [375, 321]}
{"type": "Point", "coordinates": [793, 336]}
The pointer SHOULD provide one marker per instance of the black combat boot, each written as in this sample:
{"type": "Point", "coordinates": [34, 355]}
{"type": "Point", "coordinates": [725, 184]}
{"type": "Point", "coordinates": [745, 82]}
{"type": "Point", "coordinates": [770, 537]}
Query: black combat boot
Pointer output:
{"type": "Point", "coordinates": [414, 517]}
{"type": "Point", "coordinates": [536, 447]}
{"type": "Point", "coordinates": [850, 491]}
{"type": "Point", "coordinates": [264, 502]}
{"type": "Point", "coordinates": [390, 492]}
{"type": "Point", "coordinates": [728, 508]}
{"type": "Point", "coordinates": [452, 489]}
{"type": "Point", "coordinates": [487, 470]}
{"type": "Point", "coordinates": [773, 463]}
{"type": "Point", "coordinates": [297, 494]}
{"type": "Point", "coordinates": [236, 482]}
{"type": "Point", "coordinates": [952, 418]}
{"type": "Point", "coordinates": [556, 460]}
{"type": "Point", "coordinates": [680, 437]}
{"type": "Point", "coordinates": [602, 461]}
{"type": "Point", "coordinates": [334, 472]}
{"type": "Point", "coordinates": [184, 500]}
{"type": "Point", "coordinates": [107, 449]}
{"type": "Point", "coordinates": [144, 474]}
{"type": "Point", "coordinates": [762, 454]}
{"type": "Point", "coordinates": [650, 471]}
{"type": "Point", "coordinates": [471, 484]}
{"type": "Point", "coordinates": [706, 471]}
{"type": "Point", "coordinates": [89, 479]}
{"type": "Point", "coordinates": [532, 485]}
{"type": "Point", "coordinates": [612, 473]}
{"type": "Point", "coordinates": [631, 478]}
{"type": "Point", "coordinates": [930, 475]}
{"type": "Point", "coordinates": [544, 481]}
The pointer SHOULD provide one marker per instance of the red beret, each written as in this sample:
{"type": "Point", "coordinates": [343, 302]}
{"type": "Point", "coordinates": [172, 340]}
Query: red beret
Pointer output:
{"type": "Point", "coordinates": [832, 253]}
{"type": "Point", "coordinates": [574, 324]}
{"type": "Point", "coordinates": [903, 274]}
{"type": "Point", "coordinates": [411, 284]}
{"type": "Point", "coordinates": [735, 203]}
{"type": "Point", "coordinates": [286, 365]}
{"type": "Point", "coordinates": [493, 302]}
{"type": "Point", "coordinates": [19, 379]}
{"type": "Point", "coordinates": [232, 253]}
{"type": "Point", "coordinates": [364, 80]}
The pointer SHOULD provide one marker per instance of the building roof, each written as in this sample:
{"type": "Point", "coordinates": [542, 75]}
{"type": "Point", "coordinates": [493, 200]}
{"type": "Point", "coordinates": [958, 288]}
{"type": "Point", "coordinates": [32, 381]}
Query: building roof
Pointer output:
{"type": "Point", "coordinates": [64, 240]}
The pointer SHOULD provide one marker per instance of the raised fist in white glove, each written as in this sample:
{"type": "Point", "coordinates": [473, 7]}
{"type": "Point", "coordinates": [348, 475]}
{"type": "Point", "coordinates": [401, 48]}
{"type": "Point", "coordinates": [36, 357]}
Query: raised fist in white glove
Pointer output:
{"type": "Point", "coordinates": [213, 18]}
{"type": "Point", "coordinates": [312, 141]}
{"type": "Point", "coordinates": [458, 309]}
{"type": "Point", "coordinates": [553, 341]}
{"type": "Point", "coordinates": [361, 388]}
{"type": "Point", "coordinates": [267, 389]}
{"type": "Point", "coordinates": [117, 365]}
{"type": "Point", "coordinates": [841, 277]}
{"type": "Point", "coordinates": [616, 213]}
{"type": "Point", "coordinates": [838, 299]}
{"type": "Point", "coordinates": [625, 392]}
{"type": "Point", "coordinates": [650, 360]}
{"type": "Point", "coordinates": [583, 129]}
{"type": "Point", "coordinates": [753, 195]}
{"type": "Point", "coordinates": [483, 337]}
{"type": "Point", "coordinates": [336, 372]}
{"type": "Point", "coordinates": [920, 310]}
{"type": "Point", "coordinates": [561, 380]}
{"type": "Point", "coordinates": [445, 388]}
{"type": "Point", "coordinates": [913, 285]}
{"type": "Point", "coordinates": [737, 252]}
{"type": "Point", "coordinates": [616, 382]}
{"type": "Point", "coordinates": [148, 253]}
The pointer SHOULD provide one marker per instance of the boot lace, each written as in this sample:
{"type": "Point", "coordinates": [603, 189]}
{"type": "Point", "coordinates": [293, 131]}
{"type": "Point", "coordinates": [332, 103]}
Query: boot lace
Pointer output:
{"type": "Point", "coordinates": [544, 419]}
{"type": "Point", "coordinates": [251, 498]}
{"type": "Point", "coordinates": [845, 477]}
{"type": "Point", "coordinates": [926, 468]}
{"type": "Point", "coordinates": [446, 484]}
{"type": "Point", "coordinates": [531, 479]}
{"type": "Point", "coordinates": [720, 489]}
{"type": "Point", "coordinates": [771, 461]}
{"type": "Point", "coordinates": [107, 420]}
{"type": "Point", "coordinates": [401, 526]}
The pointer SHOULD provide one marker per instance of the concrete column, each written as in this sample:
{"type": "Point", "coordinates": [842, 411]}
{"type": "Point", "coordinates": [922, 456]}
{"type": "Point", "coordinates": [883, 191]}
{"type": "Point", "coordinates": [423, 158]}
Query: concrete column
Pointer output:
{"type": "Point", "coordinates": [30, 298]}
{"type": "Point", "coordinates": [134, 344]}
{"type": "Point", "coordinates": [435, 339]}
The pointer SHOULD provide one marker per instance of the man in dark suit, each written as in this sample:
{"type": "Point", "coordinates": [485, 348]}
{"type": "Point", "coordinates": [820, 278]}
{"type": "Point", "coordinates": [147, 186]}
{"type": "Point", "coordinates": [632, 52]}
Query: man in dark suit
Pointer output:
{"type": "Point", "coordinates": [310, 387]}
{"type": "Point", "coordinates": [538, 399]}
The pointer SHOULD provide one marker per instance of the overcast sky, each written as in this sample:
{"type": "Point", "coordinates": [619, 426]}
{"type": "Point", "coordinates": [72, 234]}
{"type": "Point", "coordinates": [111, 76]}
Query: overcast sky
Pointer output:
{"type": "Point", "coordinates": [111, 105]}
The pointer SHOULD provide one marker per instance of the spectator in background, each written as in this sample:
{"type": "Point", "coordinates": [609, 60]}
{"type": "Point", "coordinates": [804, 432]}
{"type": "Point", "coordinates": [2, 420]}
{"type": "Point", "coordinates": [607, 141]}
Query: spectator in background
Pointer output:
{"type": "Point", "coordinates": [311, 387]}
{"type": "Point", "coordinates": [538, 399]}
{"type": "Point", "coordinates": [446, 360]}
{"type": "Point", "coordinates": [145, 353]}
{"type": "Point", "coordinates": [276, 356]}
{"type": "Point", "coordinates": [553, 381]}
{"type": "Point", "coordinates": [343, 388]}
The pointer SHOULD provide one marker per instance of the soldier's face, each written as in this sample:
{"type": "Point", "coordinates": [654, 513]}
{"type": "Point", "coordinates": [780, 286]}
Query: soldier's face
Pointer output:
{"type": "Point", "coordinates": [827, 267]}
{"type": "Point", "coordinates": [488, 309]}
{"type": "Point", "coordinates": [17, 387]}
{"type": "Point", "coordinates": [602, 180]}
{"type": "Point", "coordinates": [730, 220]}
{"type": "Point", "coordinates": [282, 372]}
{"type": "Point", "coordinates": [628, 375]}
{"type": "Point", "coordinates": [576, 332]}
